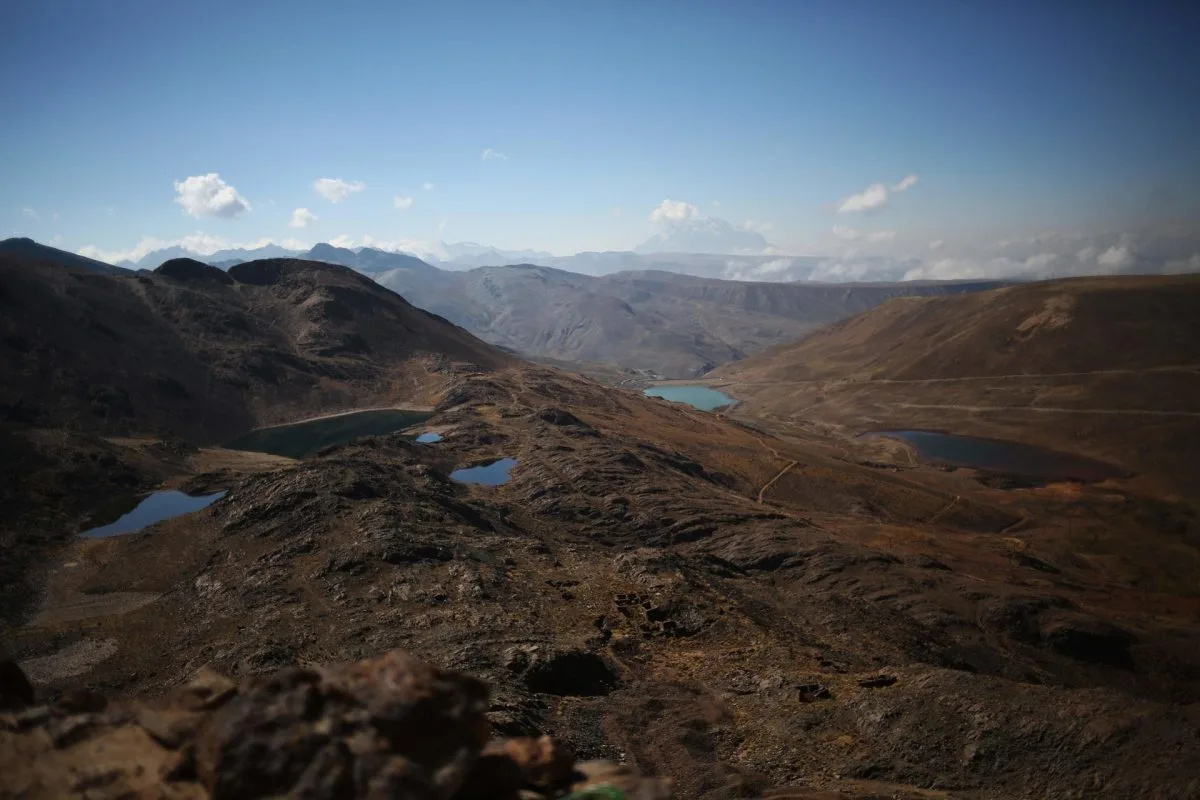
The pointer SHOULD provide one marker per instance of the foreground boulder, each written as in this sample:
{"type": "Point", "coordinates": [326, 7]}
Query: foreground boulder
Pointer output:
{"type": "Point", "coordinates": [392, 726]}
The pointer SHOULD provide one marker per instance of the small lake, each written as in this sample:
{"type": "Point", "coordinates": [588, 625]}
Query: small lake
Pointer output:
{"type": "Point", "coordinates": [308, 437]}
{"type": "Point", "coordinates": [704, 398]}
{"type": "Point", "coordinates": [429, 438]}
{"type": "Point", "coordinates": [998, 455]}
{"type": "Point", "coordinates": [493, 474]}
{"type": "Point", "coordinates": [156, 507]}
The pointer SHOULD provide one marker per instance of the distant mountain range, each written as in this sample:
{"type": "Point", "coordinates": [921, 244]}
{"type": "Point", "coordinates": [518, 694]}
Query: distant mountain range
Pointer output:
{"type": "Point", "coordinates": [646, 312]}
{"type": "Point", "coordinates": [673, 324]}
{"type": "Point", "coordinates": [679, 250]}
{"type": "Point", "coordinates": [460, 255]}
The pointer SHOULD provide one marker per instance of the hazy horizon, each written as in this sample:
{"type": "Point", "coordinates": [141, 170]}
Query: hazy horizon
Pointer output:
{"type": "Point", "coordinates": [919, 141]}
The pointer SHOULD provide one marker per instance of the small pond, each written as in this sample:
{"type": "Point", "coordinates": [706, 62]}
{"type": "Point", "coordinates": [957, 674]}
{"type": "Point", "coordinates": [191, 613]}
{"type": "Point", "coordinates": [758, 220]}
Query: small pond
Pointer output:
{"type": "Point", "coordinates": [156, 507]}
{"type": "Point", "coordinates": [305, 438]}
{"type": "Point", "coordinates": [704, 398]}
{"type": "Point", "coordinates": [998, 455]}
{"type": "Point", "coordinates": [493, 474]}
{"type": "Point", "coordinates": [429, 438]}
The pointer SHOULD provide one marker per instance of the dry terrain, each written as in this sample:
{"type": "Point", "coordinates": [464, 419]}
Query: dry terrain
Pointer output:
{"type": "Point", "coordinates": [750, 603]}
{"type": "Point", "coordinates": [1105, 367]}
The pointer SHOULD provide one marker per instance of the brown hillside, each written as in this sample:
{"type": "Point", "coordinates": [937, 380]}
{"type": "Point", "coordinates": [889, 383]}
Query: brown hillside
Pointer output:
{"type": "Point", "coordinates": [1083, 325]}
{"type": "Point", "coordinates": [1109, 367]}
{"type": "Point", "coordinates": [207, 354]}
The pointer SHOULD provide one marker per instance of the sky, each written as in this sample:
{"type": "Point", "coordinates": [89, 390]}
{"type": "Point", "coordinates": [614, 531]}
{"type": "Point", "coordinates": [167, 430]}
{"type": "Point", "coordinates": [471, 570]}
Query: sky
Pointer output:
{"type": "Point", "coordinates": [927, 130]}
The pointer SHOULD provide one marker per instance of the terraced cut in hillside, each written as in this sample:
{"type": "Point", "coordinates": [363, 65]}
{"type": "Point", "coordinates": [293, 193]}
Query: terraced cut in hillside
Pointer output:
{"type": "Point", "coordinates": [1103, 367]}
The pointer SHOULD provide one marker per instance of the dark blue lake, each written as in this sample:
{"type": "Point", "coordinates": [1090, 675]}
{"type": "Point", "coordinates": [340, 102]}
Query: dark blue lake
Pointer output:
{"type": "Point", "coordinates": [303, 439]}
{"type": "Point", "coordinates": [998, 455]}
{"type": "Point", "coordinates": [156, 507]}
{"type": "Point", "coordinates": [493, 474]}
{"type": "Point", "coordinates": [704, 398]}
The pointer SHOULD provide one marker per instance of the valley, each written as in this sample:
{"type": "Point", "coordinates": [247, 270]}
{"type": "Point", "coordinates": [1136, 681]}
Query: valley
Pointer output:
{"type": "Point", "coordinates": [747, 598]}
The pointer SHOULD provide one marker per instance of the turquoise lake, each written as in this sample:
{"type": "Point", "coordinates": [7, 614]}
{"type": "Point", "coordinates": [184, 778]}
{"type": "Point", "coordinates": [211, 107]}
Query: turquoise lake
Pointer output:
{"type": "Point", "coordinates": [701, 397]}
{"type": "Point", "coordinates": [997, 455]}
{"type": "Point", "coordinates": [493, 474]}
{"type": "Point", "coordinates": [156, 507]}
{"type": "Point", "coordinates": [306, 438]}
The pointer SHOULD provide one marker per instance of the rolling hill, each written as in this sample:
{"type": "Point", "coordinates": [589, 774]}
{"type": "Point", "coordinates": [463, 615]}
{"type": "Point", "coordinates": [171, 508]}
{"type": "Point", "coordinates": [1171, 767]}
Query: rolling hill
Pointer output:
{"type": "Point", "coordinates": [206, 354]}
{"type": "Point", "coordinates": [1108, 367]}
{"type": "Point", "coordinates": [673, 324]}
{"type": "Point", "coordinates": [34, 252]}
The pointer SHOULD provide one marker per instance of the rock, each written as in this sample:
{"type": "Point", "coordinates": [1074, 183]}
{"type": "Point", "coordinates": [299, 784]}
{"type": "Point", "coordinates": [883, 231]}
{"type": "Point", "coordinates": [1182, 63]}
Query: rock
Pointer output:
{"type": "Point", "coordinates": [878, 682]}
{"type": "Point", "coordinates": [814, 691]}
{"type": "Point", "coordinates": [1088, 639]}
{"type": "Point", "coordinates": [189, 269]}
{"type": "Point", "coordinates": [388, 725]}
{"type": "Point", "coordinates": [557, 416]}
{"type": "Point", "coordinates": [508, 766]}
{"type": "Point", "coordinates": [571, 673]}
{"type": "Point", "coordinates": [15, 690]}
{"type": "Point", "coordinates": [391, 726]}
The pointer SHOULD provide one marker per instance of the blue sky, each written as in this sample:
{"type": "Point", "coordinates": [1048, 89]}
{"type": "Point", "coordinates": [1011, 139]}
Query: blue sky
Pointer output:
{"type": "Point", "coordinates": [1016, 118]}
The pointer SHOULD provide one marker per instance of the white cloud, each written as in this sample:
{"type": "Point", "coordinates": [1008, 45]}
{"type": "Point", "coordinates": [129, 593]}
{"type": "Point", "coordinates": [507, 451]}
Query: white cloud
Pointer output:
{"type": "Point", "coordinates": [421, 249]}
{"type": "Point", "coordinates": [1183, 265]}
{"type": "Point", "coordinates": [757, 226]}
{"type": "Point", "coordinates": [55, 217]}
{"type": "Point", "coordinates": [773, 267]}
{"type": "Point", "coordinates": [209, 196]}
{"type": "Point", "coordinates": [778, 269]}
{"type": "Point", "coordinates": [199, 243]}
{"type": "Point", "coordinates": [29, 213]}
{"type": "Point", "coordinates": [1040, 261]}
{"type": "Point", "coordinates": [492, 155]}
{"type": "Point", "coordinates": [402, 202]}
{"type": "Point", "coordinates": [618, 211]}
{"type": "Point", "coordinates": [670, 211]}
{"type": "Point", "coordinates": [302, 218]}
{"type": "Point", "coordinates": [1117, 258]}
{"type": "Point", "coordinates": [1087, 253]}
{"type": "Point", "coordinates": [874, 196]}
{"type": "Point", "coordinates": [846, 233]}
{"type": "Point", "coordinates": [427, 186]}
{"type": "Point", "coordinates": [936, 244]}
{"type": "Point", "coordinates": [335, 190]}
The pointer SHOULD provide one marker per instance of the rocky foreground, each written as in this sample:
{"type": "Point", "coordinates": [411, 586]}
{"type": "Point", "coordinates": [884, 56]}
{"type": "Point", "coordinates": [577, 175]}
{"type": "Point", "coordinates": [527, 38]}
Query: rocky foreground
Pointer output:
{"type": "Point", "coordinates": [387, 727]}
{"type": "Point", "coordinates": [749, 606]}
{"type": "Point", "coordinates": [628, 596]}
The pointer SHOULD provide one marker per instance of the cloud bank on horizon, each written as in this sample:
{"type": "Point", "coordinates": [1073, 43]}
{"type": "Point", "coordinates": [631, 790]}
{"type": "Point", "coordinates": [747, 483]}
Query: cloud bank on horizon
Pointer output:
{"type": "Point", "coordinates": [992, 125]}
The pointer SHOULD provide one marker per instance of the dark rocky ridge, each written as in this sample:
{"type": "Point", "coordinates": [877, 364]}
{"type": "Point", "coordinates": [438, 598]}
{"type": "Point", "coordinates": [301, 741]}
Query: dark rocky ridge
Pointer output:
{"type": "Point", "coordinates": [737, 603]}
{"type": "Point", "coordinates": [205, 354]}
{"type": "Point", "coordinates": [624, 593]}
{"type": "Point", "coordinates": [387, 727]}
{"type": "Point", "coordinates": [192, 353]}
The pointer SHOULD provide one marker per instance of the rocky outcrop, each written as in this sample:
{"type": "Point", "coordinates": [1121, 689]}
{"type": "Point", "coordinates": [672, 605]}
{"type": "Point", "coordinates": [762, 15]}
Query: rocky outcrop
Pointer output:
{"type": "Point", "coordinates": [189, 269]}
{"type": "Point", "coordinates": [391, 726]}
